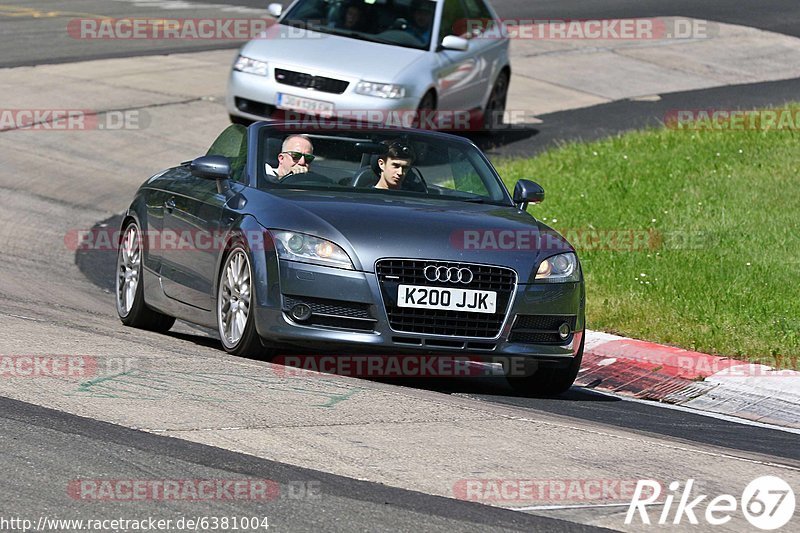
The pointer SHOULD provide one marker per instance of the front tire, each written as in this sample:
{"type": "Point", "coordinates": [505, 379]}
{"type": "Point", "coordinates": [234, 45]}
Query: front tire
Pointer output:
{"type": "Point", "coordinates": [426, 107]}
{"type": "Point", "coordinates": [131, 307]}
{"type": "Point", "coordinates": [549, 381]}
{"type": "Point", "coordinates": [235, 320]}
{"type": "Point", "coordinates": [496, 105]}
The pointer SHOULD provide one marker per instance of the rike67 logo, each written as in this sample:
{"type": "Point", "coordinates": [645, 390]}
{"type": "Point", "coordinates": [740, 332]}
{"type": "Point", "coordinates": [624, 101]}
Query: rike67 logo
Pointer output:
{"type": "Point", "coordinates": [768, 503]}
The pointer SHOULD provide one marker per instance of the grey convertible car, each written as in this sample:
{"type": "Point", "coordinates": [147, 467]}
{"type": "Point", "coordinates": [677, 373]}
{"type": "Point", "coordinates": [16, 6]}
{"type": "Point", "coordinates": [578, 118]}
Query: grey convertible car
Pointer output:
{"type": "Point", "coordinates": [443, 262]}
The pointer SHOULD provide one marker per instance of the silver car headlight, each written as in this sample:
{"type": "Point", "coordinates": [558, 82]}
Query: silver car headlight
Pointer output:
{"type": "Point", "coordinates": [309, 249]}
{"type": "Point", "coordinates": [381, 90]}
{"type": "Point", "coordinates": [561, 268]}
{"type": "Point", "coordinates": [251, 66]}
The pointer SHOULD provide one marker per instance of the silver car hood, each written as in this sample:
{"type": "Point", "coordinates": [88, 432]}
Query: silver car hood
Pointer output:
{"type": "Point", "coordinates": [310, 50]}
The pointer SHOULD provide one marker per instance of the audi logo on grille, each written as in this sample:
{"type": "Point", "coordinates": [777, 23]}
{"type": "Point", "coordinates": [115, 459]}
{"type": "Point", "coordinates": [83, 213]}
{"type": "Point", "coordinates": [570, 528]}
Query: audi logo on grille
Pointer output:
{"type": "Point", "coordinates": [448, 274]}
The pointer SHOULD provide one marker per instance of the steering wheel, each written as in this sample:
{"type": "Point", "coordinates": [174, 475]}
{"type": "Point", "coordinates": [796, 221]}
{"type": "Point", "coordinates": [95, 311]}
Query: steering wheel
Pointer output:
{"type": "Point", "coordinates": [307, 178]}
{"type": "Point", "coordinates": [399, 24]}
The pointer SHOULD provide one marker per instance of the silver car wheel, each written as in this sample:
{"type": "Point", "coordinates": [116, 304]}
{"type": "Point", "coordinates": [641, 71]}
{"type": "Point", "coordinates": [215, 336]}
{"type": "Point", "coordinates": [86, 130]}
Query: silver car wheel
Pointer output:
{"type": "Point", "coordinates": [129, 263]}
{"type": "Point", "coordinates": [233, 301]}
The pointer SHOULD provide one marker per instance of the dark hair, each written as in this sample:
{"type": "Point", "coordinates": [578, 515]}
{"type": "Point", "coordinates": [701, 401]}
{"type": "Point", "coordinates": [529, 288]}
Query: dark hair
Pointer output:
{"type": "Point", "coordinates": [398, 150]}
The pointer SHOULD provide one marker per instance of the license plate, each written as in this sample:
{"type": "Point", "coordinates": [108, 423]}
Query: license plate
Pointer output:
{"type": "Point", "coordinates": [306, 105]}
{"type": "Point", "coordinates": [468, 300]}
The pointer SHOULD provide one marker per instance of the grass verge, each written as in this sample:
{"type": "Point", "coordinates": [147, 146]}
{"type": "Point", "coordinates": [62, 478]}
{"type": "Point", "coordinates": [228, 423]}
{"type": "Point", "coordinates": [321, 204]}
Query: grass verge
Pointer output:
{"type": "Point", "coordinates": [688, 237]}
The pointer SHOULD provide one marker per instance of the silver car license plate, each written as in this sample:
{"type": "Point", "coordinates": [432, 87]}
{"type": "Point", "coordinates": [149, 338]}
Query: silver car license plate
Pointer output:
{"type": "Point", "coordinates": [307, 105]}
{"type": "Point", "coordinates": [468, 300]}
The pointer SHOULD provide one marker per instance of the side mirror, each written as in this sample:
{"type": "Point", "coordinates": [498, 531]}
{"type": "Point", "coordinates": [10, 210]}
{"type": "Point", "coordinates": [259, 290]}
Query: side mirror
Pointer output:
{"type": "Point", "coordinates": [527, 191]}
{"type": "Point", "coordinates": [451, 42]}
{"type": "Point", "coordinates": [275, 10]}
{"type": "Point", "coordinates": [211, 167]}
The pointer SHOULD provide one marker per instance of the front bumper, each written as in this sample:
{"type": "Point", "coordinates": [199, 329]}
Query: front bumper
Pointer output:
{"type": "Point", "coordinates": [358, 294]}
{"type": "Point", "coordinates": [256, 97]}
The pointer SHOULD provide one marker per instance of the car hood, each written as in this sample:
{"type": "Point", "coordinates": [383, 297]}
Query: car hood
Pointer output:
{"type": "Point", "coordinates": [311, 50]}
{"type": "Point", "coordinates": [369, 227]}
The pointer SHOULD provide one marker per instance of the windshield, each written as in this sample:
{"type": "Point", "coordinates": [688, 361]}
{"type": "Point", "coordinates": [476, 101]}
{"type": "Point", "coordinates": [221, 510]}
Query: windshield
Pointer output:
{"type": "Point", "coordinates": [377, 162]}
{"type": "Point", "coordinates": [407, 23]}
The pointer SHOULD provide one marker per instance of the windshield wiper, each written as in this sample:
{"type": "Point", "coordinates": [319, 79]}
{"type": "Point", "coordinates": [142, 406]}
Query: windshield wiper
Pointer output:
{"type": "Point", "coordinates": [339, 31]}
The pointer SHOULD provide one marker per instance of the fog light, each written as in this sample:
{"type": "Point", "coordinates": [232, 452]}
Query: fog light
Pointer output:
{"type": "Point", "coordinates": [563, 331]}
{"type": "Point", "coordinates": [301, 312]}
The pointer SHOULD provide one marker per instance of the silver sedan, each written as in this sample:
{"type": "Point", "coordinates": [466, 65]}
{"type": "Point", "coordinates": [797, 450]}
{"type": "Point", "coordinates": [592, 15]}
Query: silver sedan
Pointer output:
{"type": "Point", "coordinates": [372, 59]}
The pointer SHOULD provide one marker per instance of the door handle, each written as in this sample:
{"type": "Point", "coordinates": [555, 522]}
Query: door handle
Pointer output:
{"type": "Point", "coordinates": [169, 205]}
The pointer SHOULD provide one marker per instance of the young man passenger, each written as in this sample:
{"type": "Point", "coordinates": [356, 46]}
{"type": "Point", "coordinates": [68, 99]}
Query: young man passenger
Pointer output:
{"type": "Point", "coordinates": [394, 165]}
{"type": "Point", "coordinates": [296, 155]}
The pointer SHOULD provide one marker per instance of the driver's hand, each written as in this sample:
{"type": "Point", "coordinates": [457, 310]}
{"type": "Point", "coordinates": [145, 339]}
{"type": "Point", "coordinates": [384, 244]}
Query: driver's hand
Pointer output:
{"type": "Point", "coordinates": [299, 169]}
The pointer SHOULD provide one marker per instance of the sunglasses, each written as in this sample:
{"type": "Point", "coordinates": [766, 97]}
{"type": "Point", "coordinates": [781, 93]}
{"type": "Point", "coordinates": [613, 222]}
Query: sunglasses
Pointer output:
{"type": "Point", "coordinates": [297, 155]}
{"type": "Point", "coordinates": [402, 149]}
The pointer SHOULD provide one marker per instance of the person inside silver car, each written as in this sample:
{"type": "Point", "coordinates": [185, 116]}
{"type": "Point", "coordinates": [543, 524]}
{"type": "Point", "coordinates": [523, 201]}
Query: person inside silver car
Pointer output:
{"type": "Point", "coordinates": [422, 21]}
{"type": "Point", "coordinates": [353, 18]}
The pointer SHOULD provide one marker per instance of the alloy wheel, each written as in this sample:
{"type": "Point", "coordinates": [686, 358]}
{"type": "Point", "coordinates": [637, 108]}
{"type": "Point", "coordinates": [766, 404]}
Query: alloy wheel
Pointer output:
{"type": "Point", "coordinates": [233, 303]}
{"type": "Point", "coordinates": [129, 262]}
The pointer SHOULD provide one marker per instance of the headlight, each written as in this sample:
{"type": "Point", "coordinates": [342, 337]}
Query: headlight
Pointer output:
{"type": "Point", "coordinates": [381, 90]}
{"type": "Point", "coordinates": [307, 248]}
{"type": "Point", "coordinates": [561, 268]}
{"type": "Point", "coordinates": [251, 66]}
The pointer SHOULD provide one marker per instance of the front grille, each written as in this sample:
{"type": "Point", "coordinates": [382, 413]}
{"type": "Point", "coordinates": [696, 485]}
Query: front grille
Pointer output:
{"type": "Point", "coordinates": [333, 313]}
{"type": "Point", "coordinates": [307, 81]}
{"type": "Point", "coordinates": [394, 272]}
{"type": "Point", "coordinates": [541, 329]}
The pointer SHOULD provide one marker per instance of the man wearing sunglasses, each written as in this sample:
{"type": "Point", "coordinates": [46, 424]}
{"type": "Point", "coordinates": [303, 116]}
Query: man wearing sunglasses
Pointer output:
{"type": "Point", "coordinates": [296, 155]}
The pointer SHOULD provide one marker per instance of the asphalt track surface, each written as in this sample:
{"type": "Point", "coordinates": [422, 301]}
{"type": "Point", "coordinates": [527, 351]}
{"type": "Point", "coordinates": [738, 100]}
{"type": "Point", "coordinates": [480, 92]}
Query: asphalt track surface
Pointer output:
{"type": "Point", "coordinates": [44, 449]}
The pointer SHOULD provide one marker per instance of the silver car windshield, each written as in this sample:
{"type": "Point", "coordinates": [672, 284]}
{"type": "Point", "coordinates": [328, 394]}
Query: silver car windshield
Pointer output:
{"type": "Point", "coordinates": [385, 162]}
{"type": "Point", "coordinates": [406, 23]}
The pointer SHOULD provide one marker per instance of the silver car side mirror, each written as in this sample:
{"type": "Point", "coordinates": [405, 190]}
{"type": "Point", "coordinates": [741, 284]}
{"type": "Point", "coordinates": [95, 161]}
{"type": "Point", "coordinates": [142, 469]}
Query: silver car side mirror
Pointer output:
{"type": "Point", "coordinates": [451, 42]}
